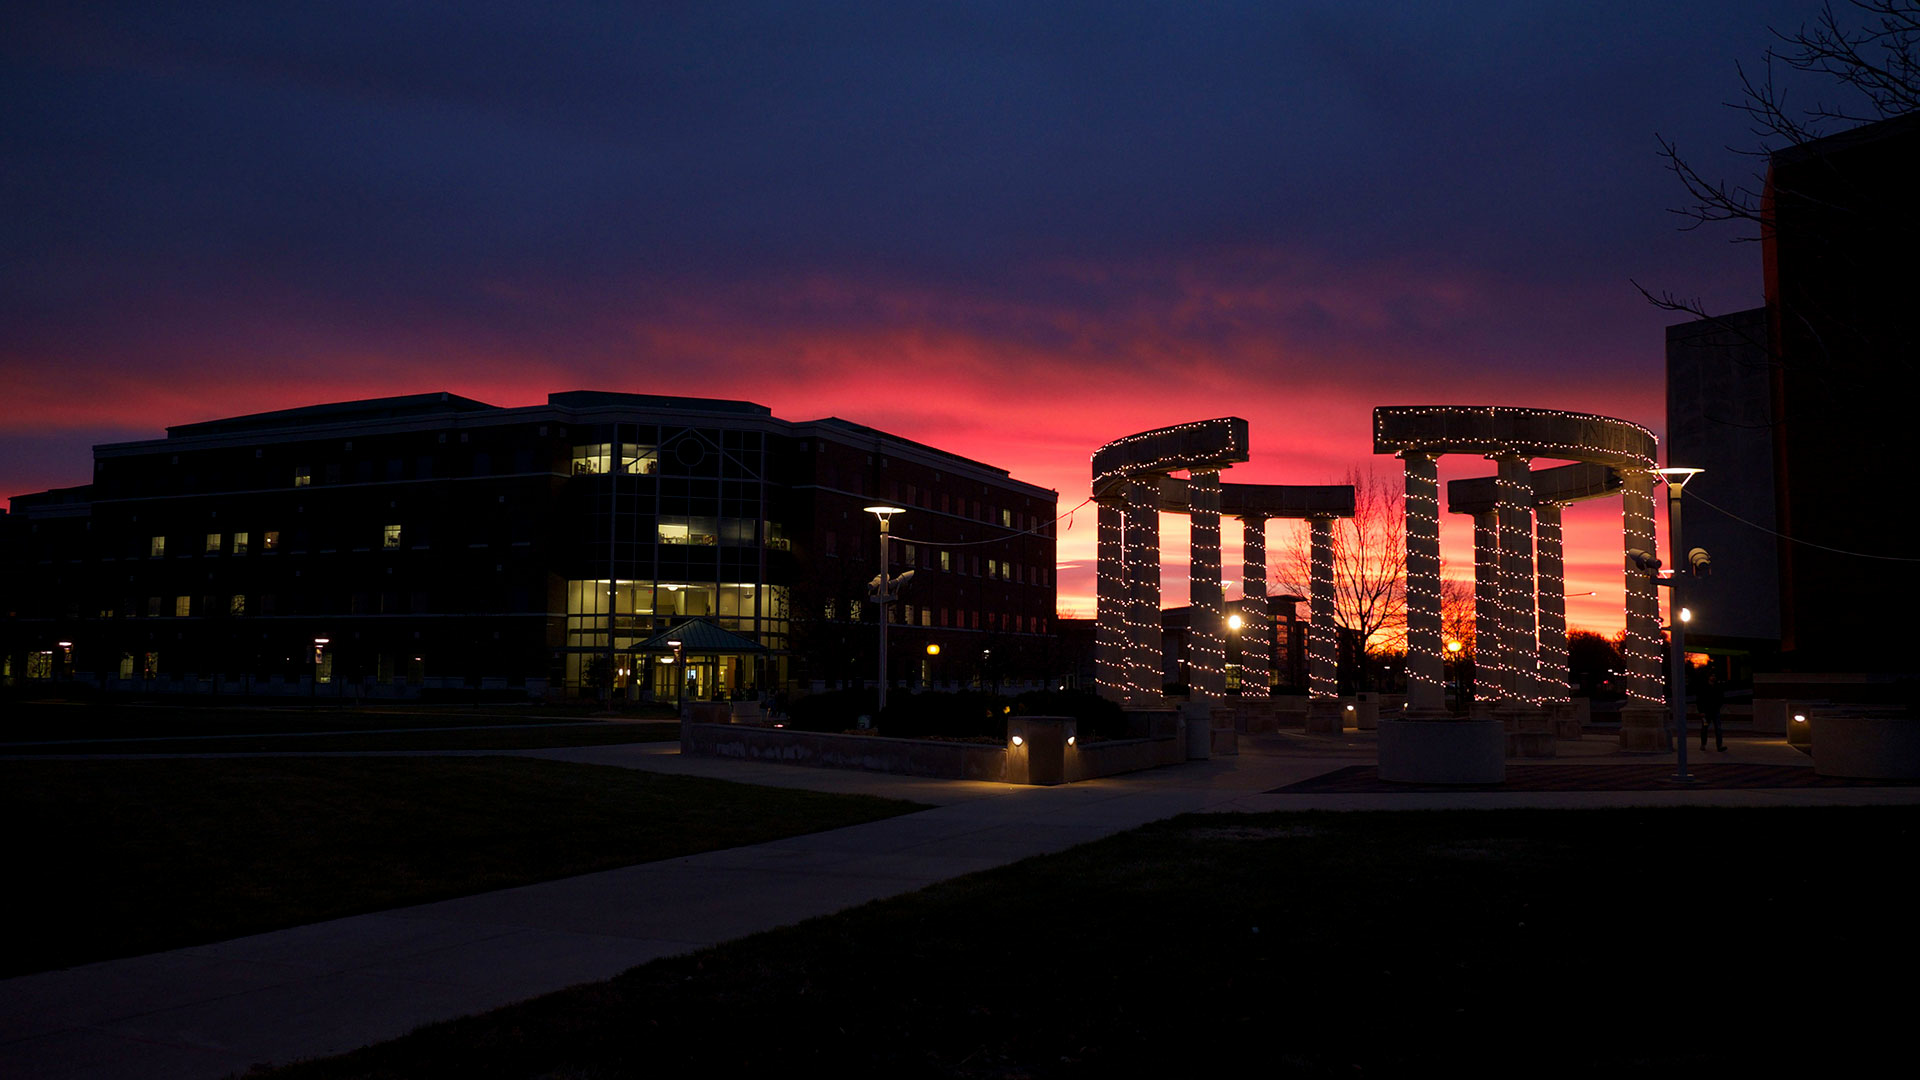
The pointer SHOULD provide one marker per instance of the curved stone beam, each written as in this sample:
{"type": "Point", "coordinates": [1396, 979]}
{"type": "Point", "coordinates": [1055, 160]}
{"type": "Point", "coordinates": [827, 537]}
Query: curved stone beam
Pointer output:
{"type": "Point", "coordinates": [1265, 500]}
{"type": "Point", "coordinates": [1497, 430]}
{"type": "Point", "coordinates": [1207, 445]}
{"type": "Point", "coordinates": [1557, 486]}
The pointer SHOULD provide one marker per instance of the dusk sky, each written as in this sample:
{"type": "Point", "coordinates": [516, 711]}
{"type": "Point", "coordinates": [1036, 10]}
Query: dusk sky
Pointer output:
{"type": "Point", "coordinates": [1014, 231]}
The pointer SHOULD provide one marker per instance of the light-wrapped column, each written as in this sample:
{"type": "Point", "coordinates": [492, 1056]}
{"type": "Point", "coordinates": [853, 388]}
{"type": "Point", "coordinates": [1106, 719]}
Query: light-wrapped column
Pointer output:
{"type": "Point", "coordinates": [1641, 649]}
{"type": "Point", "coordinates": [1144, 679]}
{"type": "Point", "coordinates": [1426, 667]}
{"type": "Point", "coordinates": [1207, 618]}
{"type": "Point", "coordinates": [1256, 632]}
{"type": "Point", "coordinates": [1553, 604]}
{"type": "Point", "coordinates": [1513, 501]}
{"type": "Point", "coordinates": [1114, 595]}
{"type": "Point", "coordinates": [1323, 641]}
{"type": "Point", "coordinates": [1489, 633]}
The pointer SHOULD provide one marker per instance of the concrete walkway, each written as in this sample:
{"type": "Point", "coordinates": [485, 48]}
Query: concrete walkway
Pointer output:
{"type": "Point", "coordinates": [330, 987]}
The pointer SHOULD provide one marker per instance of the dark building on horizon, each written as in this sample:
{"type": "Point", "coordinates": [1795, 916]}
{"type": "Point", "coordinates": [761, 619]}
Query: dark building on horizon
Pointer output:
{"type": "Point", "coordinates": [432, 542]}
{"type": "Point", "coordinates": [1809, 401]}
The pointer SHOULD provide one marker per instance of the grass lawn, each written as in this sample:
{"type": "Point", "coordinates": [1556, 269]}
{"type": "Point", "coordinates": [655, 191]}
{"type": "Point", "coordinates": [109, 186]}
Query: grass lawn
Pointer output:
{"type": "Point", "coordinates": [119, 728]}
{"type": "Point", "coordinates": [118, 858]}
{"type": "Point", "coordinates": [1592, 943]}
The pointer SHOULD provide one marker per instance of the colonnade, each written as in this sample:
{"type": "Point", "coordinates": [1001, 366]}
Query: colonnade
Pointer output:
{"type": "Point", "coordinates": [1520, 624]}
{"type": "Point", "coordinates": [1132, 486]}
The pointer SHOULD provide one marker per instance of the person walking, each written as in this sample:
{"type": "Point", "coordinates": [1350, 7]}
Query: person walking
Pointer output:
{"type": "Point", "coordinates": [1711, 698]}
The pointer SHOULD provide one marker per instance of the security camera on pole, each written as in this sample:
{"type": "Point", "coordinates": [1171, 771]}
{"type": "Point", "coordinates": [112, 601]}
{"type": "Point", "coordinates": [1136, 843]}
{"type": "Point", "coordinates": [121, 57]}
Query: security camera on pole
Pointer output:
{"type": "Point", "coordinates": [885, 590]}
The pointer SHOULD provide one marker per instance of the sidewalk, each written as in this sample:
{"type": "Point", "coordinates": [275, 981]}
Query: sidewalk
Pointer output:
{"type": "Point", "coordinates": [211, 1010]}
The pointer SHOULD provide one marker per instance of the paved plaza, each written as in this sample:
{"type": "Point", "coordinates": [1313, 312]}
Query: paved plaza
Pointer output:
{"type": "Point", "coordinates": [211, 1010]}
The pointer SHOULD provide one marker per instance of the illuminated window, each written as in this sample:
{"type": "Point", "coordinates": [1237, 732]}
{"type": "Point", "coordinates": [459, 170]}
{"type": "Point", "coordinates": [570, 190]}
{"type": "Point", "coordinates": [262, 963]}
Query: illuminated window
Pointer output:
{"type": "Point", "coordinates": [906, 555]}
{"type": "Point", "coordinates": [270, 541]}
{"type": "Point", "coordinates": [643, 460]}
{"type": "Point", "coordinates": [390, 538]}
{"type": "Point", "coordinates": [993, 568]}
{"type": "Point", "coordinates": [239, 543]}
{"type": "Point", "coordinates": [830, 611]}
{"type": "Point", "coordinates": [926, 616]}
{"type": "Point", "coordinates": [213, 543]}
{"type": "Point", "coordinates": [157, 547]}
{"type": "Point", "coordinates": [593, 458]}
{"type": "Point", "coordinates": [946, 560]}
{"type": "Point", "coordinates": [1006, 519]}
{"type": "Point", "coordinates": [237, 604]}
{"type": "Point", "coordinates": [302, 475]}
{"type": "Point", "coordinates": [182, 606]}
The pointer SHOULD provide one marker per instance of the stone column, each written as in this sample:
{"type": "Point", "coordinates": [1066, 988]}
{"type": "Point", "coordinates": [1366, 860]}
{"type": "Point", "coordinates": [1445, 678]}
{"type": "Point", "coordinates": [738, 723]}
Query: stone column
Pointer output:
{"type": "Point", "coordinates": [1553, 605]}
{"type": "Point", "coordinates": [1643, 721]}
{"type": "Point", "coordinates": [1323, 640]}
{"type": "Point", "coordinates": [1489, 635]}
{"type": "Point", "coordinates": [1144, 680]}
{"type": "Point", "coordinates": [1114, 595]}
{"type": "Point", "coordinates": [1206, 619]}
{"type": "Point", "coordinates": [1256, 631]}
{"type": "Point", "coordinates": [1426, 664]}
{"type": "Point", "coordinates": [1514, 503]}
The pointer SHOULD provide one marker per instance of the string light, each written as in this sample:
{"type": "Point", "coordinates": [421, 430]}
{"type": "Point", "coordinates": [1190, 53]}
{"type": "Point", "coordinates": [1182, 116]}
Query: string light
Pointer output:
{"type": "Point", "coordinates": [1207, 653]}
{"type": "Point", "coordinates": [1424, 666]}
{"type": "Point", "coordinates": [1126, 485]}
{"type": "Point", "coordinates": [1523, 650]}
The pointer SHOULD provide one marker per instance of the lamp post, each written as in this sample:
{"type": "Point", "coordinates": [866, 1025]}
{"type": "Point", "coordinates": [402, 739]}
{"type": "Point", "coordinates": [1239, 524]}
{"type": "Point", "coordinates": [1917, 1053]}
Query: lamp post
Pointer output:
{"type": "Point", "coordinates": [679, 678]}
{"type": "Point", "coordinates": [1453, 657]}
{"type": "Point", "coordinates": [885, 591]}
{"type": "Point", "coordinates": [1678, 615]}
{"type": "Point", "coordinates": [313, 687]}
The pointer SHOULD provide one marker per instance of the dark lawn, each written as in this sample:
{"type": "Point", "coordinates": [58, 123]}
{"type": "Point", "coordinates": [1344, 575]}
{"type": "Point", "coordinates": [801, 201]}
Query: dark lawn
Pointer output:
{"type": "Point", "coordinates": [495, 737]}
{"type": "Point", "coordinates": [118, 858]}
{"type": "Point", "coordinates": [23, 721]}
{"type": "Point", "coordinates": [1693, 942]}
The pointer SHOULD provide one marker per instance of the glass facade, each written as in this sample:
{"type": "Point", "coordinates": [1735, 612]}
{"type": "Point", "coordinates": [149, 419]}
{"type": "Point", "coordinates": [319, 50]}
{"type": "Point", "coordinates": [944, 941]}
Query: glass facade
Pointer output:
{"type": "Point", "coordinates": [678, 530]}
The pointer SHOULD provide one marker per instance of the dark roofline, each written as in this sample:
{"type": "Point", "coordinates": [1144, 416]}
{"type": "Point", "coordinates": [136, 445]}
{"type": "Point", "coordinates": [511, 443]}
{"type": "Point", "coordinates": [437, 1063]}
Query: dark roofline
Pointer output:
{"type": "Point", "coordinates": [872, 432]}
{"type": "Point", "coordinates": [383, 408]}
{"type": "Point", "coordinates": [596, 399]}
{"type": "Point", "coordinates": [1891, 128]}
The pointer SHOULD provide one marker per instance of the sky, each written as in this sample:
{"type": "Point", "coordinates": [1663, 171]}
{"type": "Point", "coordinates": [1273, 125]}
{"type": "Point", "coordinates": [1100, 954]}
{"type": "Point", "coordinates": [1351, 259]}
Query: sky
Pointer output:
{"type": "Point", "coordinates": [1011, 230]}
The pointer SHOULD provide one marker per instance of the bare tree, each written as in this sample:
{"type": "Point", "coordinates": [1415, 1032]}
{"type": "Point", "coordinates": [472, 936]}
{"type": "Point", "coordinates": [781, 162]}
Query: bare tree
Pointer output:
{"type": "Point", "coordinates": [1369, 564]}
{"type": "Point", "coordinates": [1456, 614]}
{"type": "Point", "coordinates": [1868, 53]}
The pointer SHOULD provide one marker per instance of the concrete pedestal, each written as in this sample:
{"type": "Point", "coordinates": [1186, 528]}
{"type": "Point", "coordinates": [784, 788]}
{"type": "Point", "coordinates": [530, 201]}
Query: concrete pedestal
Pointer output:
{"type": "Point", "coordinates": [1037, 749]}
{"type": "Point", "coordinates": [1443, 751]}
{"type": "Point", "coordinates": [1326, 716]}
{"type": "Point", "coordinates": [1529, 731]}
{"type": "Point", "coordinates": [1884, 747]}
{"type": "Point", "coordinates": [1570, 718]}
{"type": "Point", "coordinates": [1365, 711]}
{"type": "Point", "coordinates": [1644, 731]}
{"type": "Point", "coordinates": [1198, 718]}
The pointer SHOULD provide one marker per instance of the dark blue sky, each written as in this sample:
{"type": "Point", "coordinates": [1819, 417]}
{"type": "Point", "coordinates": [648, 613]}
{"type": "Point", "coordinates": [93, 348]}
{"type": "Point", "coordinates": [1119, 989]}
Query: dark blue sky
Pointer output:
{"type": "Point", "coordinates": [1069, 220]}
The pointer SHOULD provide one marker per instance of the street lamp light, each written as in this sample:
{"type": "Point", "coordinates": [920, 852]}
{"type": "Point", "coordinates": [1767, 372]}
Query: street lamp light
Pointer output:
{"type": "Point", "coordinates": [679, 679]}
{"type": "Point", "coordinates": [885, 591]}
{"type": "Point", "coordinates": [1676, 479]}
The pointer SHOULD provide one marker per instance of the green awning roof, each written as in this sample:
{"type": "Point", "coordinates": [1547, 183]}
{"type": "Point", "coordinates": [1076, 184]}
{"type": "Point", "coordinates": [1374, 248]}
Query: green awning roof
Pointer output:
{"type": "Point", "coordinates": [701, 636]}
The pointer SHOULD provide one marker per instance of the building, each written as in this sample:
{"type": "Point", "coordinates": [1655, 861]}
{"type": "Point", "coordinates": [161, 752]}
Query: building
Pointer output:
{"type": "Point", "coordinates": [434, 543]}
{"type": "Point", "coordinates": [1720, 419]}
{"type": "Point", "coordinates": [1832, 353]}
{"type": "Point", "coordinates": [1286, 644]}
